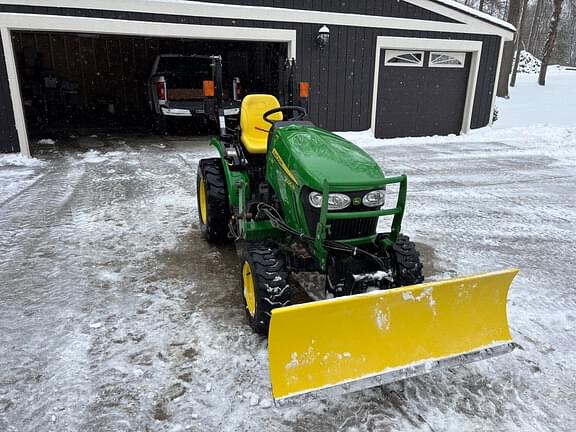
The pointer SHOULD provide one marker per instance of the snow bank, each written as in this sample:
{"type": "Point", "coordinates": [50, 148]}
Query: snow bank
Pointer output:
{"type": "Point", "coordinates": [17, 159]}
{"type": "Point", "coordinates": [530, 103]}
{"type": "Point", "coordinates": [528, 63]}
{"type": "Point", "coordinates": [532, 135]}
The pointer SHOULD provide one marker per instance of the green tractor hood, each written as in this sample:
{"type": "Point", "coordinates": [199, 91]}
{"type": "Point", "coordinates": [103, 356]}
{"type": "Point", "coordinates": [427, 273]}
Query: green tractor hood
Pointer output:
{"type": "Point", "coordinates": [314, 155]}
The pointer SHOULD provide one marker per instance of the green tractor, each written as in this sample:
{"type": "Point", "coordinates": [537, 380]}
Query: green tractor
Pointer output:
{"type": "Point", "coordinates": [297, 200]}
{"type": "Point", "coordinates": [265, 192]}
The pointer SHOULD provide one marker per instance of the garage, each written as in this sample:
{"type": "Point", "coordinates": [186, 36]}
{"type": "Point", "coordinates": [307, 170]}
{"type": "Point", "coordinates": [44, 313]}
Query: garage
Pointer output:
{"type": "Point", "coordinates": [75, 84]}
{"type": "Point", "coordinates": [424, 87]}
{"type": "Point", "coordinates": [71, 67]}
{"type": "Point", "coordinates": [421, 93]}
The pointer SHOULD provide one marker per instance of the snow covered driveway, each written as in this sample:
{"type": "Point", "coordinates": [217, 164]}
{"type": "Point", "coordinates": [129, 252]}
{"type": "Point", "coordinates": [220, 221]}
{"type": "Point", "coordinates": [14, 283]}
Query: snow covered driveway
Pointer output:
{"type": "Point", "coordinates": [116, 316]}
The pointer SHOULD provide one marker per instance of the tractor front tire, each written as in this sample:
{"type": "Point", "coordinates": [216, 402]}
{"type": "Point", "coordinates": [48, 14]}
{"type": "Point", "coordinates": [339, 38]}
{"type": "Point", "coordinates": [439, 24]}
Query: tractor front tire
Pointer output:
{"type": "Point", "coordinates": [407, 267]}
{"type": "Point", "coordinates": [264, 285]}
{"type": "Point", "coordinates": [213, 208]}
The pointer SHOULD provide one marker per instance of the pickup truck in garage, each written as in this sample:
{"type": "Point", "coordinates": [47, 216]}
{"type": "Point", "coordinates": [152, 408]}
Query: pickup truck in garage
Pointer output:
{"type": "Point", "coordinates": [190, 86]}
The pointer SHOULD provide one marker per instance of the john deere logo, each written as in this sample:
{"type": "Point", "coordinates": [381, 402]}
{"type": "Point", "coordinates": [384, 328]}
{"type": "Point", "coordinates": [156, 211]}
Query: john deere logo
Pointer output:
{"type": "Point", "coordinates": [357, 201]}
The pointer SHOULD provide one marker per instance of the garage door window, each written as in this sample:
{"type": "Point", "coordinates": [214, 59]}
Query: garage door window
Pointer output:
{"type": "Point", "coordinates": [447, 59]}
{"type": "Point", "coordinates": [404, 58]}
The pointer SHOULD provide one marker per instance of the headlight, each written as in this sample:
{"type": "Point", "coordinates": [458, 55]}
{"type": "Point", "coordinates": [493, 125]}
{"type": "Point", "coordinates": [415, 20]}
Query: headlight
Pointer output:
{"type": "Point", "coordinates": [336, 201]}
{"type": "Point", "coordinates": [374, 199]}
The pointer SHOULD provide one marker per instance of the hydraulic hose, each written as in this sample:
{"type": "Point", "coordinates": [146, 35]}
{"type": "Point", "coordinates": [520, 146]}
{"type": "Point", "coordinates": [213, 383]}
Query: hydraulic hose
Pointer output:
{"type": "Point", "coordinates": [332, 245]}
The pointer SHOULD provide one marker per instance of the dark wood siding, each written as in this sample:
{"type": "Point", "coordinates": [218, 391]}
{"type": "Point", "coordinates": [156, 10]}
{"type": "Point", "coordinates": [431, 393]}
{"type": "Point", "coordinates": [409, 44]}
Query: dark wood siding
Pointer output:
{"type": "Point", "coordinates": [110, 69]}
{"type": "Point", "coordinates": [8, 135]}
{"type": "Point", "coordinates": [341, 75]}
{"type": "Point", "coordinates": [389, 8]}
{"type": "Point", "coordinates": [341, 93]}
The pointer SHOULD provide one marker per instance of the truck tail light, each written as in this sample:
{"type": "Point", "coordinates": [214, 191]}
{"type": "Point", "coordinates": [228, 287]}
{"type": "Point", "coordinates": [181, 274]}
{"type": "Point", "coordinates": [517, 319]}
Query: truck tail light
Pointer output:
{"type": "Point", "coordinates": [209, 90]}
{"type": "Point", "coordinates": [161, 90]}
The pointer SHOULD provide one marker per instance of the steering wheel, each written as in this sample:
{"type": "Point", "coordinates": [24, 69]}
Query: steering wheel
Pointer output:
{"type": "Point", "coordinates": [298, 113]}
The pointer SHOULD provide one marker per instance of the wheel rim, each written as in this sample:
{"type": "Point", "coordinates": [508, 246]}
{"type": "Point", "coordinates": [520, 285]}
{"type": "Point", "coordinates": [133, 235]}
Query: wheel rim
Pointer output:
{"type": "Point", "coordinates": [249, 295]}
{"type": "Point", "coordinates": [202, 199]}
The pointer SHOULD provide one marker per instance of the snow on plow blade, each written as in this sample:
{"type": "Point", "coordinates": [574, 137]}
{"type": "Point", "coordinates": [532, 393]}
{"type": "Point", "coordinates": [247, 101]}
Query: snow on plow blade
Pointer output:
{"type": "Point", "coordinates": [334, 346]}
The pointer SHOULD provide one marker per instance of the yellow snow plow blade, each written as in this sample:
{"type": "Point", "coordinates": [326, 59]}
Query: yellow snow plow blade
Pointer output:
{"type": "Point", "coordinates": [328, 347]}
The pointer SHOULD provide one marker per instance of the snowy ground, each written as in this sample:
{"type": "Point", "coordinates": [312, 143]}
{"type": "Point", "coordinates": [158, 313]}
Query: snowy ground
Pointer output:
{"type": "Point", "coordinates": [116, 316]}
{"type": "Point", "coordinates": [531, 104]}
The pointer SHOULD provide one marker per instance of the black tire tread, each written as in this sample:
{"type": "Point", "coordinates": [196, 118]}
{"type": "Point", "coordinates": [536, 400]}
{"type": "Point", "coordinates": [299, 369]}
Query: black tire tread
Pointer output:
{"type": "Point", "coordinates": [408, 267]}
{"type": "Point", "coordinates": [218, 210]}
{"type": "Point", "coordinates": [271, 285]}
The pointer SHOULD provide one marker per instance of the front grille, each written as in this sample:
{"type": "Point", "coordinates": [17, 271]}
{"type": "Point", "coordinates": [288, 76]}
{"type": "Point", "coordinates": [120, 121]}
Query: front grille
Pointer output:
{"type": "Point", "coordinates": [341, 229]}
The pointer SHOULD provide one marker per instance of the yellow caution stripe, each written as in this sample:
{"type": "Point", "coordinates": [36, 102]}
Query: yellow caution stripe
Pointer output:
{"type": "Point", "coordinates": [283, 165]}
{"type": "Point", "coordinates": [388, 334]}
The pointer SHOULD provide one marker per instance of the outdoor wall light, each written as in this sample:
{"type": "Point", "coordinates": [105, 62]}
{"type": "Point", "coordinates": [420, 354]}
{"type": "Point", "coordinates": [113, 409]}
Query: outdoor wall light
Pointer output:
{"type": "Point", "coordinates": [323, 36]}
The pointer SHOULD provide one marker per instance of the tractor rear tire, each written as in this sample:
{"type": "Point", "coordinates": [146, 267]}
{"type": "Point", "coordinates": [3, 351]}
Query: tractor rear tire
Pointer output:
{"type": "Point", "coordinates": [265, 285]}
{"type": "Point", "coordinates": [213, 207]}
{"type": "Point", "coordinates": [160, 123]}
{"type": "Point", "coordinates": [407, 267]}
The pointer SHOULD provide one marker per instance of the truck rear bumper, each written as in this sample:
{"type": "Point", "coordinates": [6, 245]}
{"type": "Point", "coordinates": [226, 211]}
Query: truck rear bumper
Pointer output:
{"type": "Point", "coordinates": [179, 112]}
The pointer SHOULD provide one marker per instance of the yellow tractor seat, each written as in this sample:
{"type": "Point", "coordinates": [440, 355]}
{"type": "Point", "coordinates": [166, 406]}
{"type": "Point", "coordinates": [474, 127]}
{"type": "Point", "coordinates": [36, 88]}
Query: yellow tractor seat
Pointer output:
{"type": "Point", "coordinates": [254, 129]}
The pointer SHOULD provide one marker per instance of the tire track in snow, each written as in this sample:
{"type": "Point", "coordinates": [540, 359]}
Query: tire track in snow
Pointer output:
{"type": "Point", "coordinates": [37, 323]}
{"type": "Point", "coordinates": [142, 318]}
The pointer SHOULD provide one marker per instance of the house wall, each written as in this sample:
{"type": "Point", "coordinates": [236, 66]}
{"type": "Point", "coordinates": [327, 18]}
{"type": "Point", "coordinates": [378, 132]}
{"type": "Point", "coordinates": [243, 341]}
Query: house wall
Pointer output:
{"type": "Point", "coordinates": [341, 75]}
{"type": "Point", "coordinates": [390, 8]}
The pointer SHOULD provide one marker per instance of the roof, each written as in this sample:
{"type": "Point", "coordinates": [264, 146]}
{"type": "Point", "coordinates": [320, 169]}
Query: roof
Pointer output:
{"type": "Point", "coordinates": [464, 19]}
{"type": "Point", "coordinates": [476, 13]}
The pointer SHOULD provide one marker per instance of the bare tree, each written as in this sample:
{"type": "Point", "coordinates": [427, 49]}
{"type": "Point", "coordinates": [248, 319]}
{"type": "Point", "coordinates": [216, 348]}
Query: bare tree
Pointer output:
{"type": "Point", "coordinates": [535, 19]}
{"type": "Point", "coordinates": [550, 41]}
{"type": "Point", "coordinates": [540, 32]}
{"type": "Point", "coordinates": [512, 17]}
{"type": "Point", "coordinates": [571, 37]}
{"type": "Point", "coordinates": [572, 55]}
{"type": "Point", "coordinates": [518, 48]}
{"type": "Point", "coordinates": [533, 31]}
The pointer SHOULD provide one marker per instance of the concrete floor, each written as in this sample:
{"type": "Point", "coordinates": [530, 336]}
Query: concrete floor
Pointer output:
{"type": "Point", "coordinates": [116, 316]}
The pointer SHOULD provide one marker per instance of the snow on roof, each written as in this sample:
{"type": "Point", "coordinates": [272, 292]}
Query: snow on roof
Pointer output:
{"type": "Point", "coordinates": [481, 15]}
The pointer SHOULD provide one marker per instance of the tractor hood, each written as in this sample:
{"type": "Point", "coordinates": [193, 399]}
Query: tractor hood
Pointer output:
{"type": "Point", "coordinates": [313, 154]}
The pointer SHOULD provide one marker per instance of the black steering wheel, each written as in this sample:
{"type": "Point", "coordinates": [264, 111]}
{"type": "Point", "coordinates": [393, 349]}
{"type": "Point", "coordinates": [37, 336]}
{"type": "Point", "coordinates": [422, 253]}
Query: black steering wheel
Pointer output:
{"type": "Point", "coordinates": [297, 113]}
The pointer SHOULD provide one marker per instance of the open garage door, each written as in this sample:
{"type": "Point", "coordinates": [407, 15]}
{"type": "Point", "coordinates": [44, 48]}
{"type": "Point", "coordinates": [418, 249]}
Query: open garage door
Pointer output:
{"type": "Point", "coordinates": [75, 84]}
{"type": "Point", "coordinates": [421, 93]}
